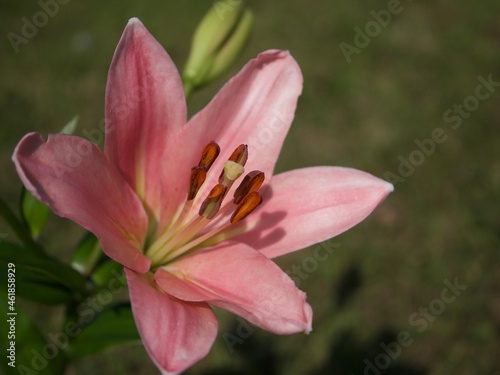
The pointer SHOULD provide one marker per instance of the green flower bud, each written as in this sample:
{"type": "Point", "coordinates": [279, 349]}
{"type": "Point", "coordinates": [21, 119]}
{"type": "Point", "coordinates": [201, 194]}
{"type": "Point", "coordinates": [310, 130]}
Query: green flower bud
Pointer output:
{"type": "Point", "coordinates": [217, 41]}
{"type": "Point", "coordinates": [233, 46]}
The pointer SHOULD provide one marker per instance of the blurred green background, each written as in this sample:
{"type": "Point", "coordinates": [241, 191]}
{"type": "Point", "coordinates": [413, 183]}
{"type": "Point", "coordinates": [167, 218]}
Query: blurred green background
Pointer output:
{"type": "Point", "coordinates": [441, 223]}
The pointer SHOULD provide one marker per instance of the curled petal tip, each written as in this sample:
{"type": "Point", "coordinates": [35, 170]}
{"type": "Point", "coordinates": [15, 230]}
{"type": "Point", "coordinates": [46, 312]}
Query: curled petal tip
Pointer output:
{"type": "Point", "coordinates": [308, 313]}
{"type": "Point", "coordinates": [390, 187]}
{"type": "Point", "coordinates": [133, 21]}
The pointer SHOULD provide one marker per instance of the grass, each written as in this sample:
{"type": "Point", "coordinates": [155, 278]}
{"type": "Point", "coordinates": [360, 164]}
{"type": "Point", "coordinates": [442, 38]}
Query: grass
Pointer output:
{"type": "Point", "coordinates": [441, 223]}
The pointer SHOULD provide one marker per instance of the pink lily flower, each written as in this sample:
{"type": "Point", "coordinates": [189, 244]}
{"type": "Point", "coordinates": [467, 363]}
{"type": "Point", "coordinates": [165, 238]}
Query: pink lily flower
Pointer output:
{"type": "Point", "coordinates": [158, 202]}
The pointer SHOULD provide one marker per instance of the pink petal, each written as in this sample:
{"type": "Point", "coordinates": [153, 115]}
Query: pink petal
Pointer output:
{"type": "Point", "coordinates": [176, 334]}
{"type": "Point", "coordinates": [256, 107]}
{"type": "Point", "coordinates": [310, 205]}
{"type": "Point", "coordinates": [75, 179]}
{"type": "Point", "coordinates": [145, 106]}
{"type": "Point", "coordinates": [243, 281]}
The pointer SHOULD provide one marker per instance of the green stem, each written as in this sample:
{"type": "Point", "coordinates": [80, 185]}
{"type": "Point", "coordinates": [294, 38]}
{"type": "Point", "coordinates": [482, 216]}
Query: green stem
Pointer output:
{"type": "Point", "coordinates": [188, 88]}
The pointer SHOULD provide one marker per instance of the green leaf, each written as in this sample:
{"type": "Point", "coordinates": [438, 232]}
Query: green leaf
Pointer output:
{"type": "Point", "coordinates": [20, 229]}
{"type": "Point", "coordinates": [39, 278]}
{"type": "Point", "coordinates": [70, 127]}
{"type": "Point", "coordinates": [87, 254]}
{"type": "Point", "coordinates": [111, 327]}
{"type": "Point", "coordinates": [33, 355]}
{"type": "Point", "coordinates": [35, 213]}
{"type": "Point", "coordinates": [104, 273]}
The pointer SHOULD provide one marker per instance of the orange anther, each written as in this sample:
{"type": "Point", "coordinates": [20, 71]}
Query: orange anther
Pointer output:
{"type": "Point", "coordinates": [212, 203]}
{"type": "Point", "coordinates": [198, 176]}
{"type": "Point", "coordinates": [209, 154]}
{"type": "Point", "coordinates": [246, 207]}
{"type": "Point", "coordinates": [240, 155]}
{"type": "Point", "coordinates": [252, 181]}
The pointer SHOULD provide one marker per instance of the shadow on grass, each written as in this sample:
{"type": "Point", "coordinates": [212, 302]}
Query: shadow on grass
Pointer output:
{"type": "Point", "coordinates": [353, 358]}
{"type": "Point", "coordinates": [348, 285]}
{"type": "Point", "coordinates": [257, 358]}
{"type": "Point", "coordinates": [347, 355]}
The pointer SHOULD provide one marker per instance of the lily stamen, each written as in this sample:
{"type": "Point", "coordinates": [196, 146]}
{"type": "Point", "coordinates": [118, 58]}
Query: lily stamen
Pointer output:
{"type": "Point", "coordinates": [195, 242]}
{"type": "Point", "coordinates": [199, 172]}
{"type": "Point", "coordinates": [252, 182]}
{"type": "Point", "coordinates": [197, 178]}
{"type": "Point", "coordinates": [212, 203]}
{"type": "Point", "coordinates": [247, 205]}
{"type": "Point", "coordinates": [184, 235]}
{"type": "Point", "coordinates": [240, 155]}
{"type": "Point", "coordinates": [245, 208]}
{"type": "Point", "coordinates": [209, 154]}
